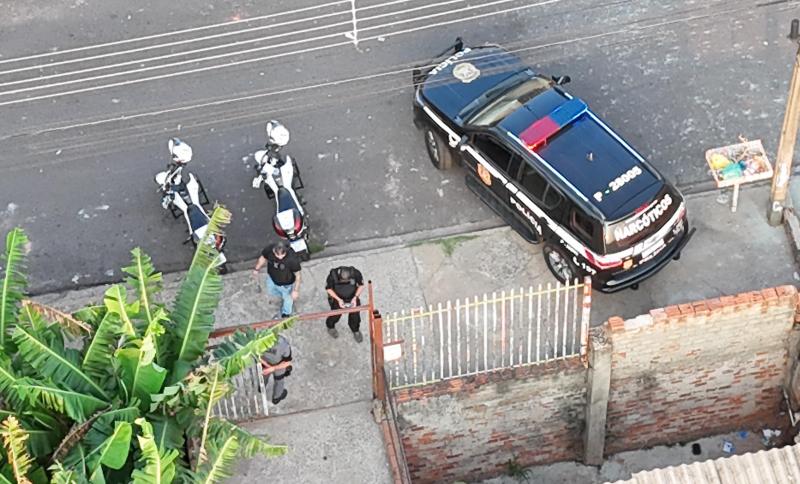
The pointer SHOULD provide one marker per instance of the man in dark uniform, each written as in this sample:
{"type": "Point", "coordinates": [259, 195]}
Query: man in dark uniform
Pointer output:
{"type": "Point", "coordinates": [276, 361]}
{"type": "Point", "coordinates": [283, 274]}
{"type": "Point", "coordinates": [344, 286]}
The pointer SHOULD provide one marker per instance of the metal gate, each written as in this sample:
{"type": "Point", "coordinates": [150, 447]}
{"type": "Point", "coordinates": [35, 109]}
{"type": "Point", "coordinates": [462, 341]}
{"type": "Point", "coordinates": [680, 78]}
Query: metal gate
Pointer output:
{"type": "Point", "coordinates": [249, 398]}
{"type": "Point", "coordinates": [484, 333]}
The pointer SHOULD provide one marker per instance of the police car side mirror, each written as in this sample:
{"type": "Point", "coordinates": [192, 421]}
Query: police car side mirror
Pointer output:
{"type": "Point", "coordinates": [458, 46]}
{"type": "Point", "coordinates": [457, 143]}
{"type": "Point", "coordinates": [561, 80]}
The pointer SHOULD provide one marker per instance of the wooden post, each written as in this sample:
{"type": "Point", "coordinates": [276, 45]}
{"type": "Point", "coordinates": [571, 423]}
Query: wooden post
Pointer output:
{"type": "Point", "coordinates": [586, 311]}
{"type": "Point", "coordinates": [376, 344]}
{"type": "Point", "coordinates": [783, 161]}
{"type": "Point", "coordinates": [378, 375]}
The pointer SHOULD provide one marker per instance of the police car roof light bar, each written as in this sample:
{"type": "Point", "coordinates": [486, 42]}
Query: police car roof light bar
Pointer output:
{"type": "Point", "coordinates": [537, 133]}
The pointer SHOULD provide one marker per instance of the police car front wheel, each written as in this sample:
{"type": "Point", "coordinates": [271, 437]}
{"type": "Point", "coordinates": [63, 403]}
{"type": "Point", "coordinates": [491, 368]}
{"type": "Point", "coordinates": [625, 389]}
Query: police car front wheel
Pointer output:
{"type": "Point", "coordinates": [559, 264]}
{"type": "Point", "coordinates": [438, 151]}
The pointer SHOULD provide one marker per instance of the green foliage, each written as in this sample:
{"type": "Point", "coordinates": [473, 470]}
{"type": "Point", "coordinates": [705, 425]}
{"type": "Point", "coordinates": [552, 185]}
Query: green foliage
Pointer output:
{"type": "Point", "coordinates": [57, 363]}
{"type": "Point", "coordinates": [517, 471]}
{"type": "Point", "coordinates": [14, 282]}
{"type": "Point", "coordinates": [98, 355]}
{"type": "Point", "coordinates": [60, 475]}
{"type": "Point", "coordinates": [239, 351]}
{"type": "Point", "coordinates": [115, 391]}
{"type": "Point", "coordinates": [249, 444]}
{"type": "Point", "coordinates": [222, 454]}
{"type": "Point", "coordinates": [156, 465]}
{"type": "Point", "coordinates": [32, 321]}
{"type": "Point", "coordinates": [8, 384]}
{"type": "Point", "coordinates": [14, 437]}
{"type": "Point", "coordinates": [448, 245]}
{"type": "Point", "coordinates": [116, 301]}
{"type": "Point", "coordinates": [140, 374]}
{"type": "Point", "coordinates": [76, 405]}
{"type": "Point", "coordinates": [113, 452]}
{"type": "Point", "coordinates": [192, 317]}
{"type": "Point", "coordinates": [142, 276]}
{"type": "Point", "coordinates": [227, 442]}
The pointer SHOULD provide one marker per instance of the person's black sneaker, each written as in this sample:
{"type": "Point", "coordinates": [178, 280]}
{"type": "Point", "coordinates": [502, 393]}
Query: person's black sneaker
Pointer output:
{"type": "Point", "coordinates": [333, 332]}
{"type": "Point", "coordinates": [357, 336]}
{"type": "Point", "coordinates": [285, 315]}
{"type": "Point", "coordinates": [276, 401]}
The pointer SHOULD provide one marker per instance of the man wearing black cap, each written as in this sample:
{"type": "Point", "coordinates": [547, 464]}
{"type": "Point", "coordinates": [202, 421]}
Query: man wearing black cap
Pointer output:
{"type": "Point", "coordinates": [344, 285]}
{"type": "Point", "coordinates": [283, 274]}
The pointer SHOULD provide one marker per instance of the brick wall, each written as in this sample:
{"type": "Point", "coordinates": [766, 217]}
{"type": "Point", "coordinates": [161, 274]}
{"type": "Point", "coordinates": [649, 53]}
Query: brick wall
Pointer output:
{"type": "Point", "coordinates": [676, 374]}
{"type": "Point", "coordinates": [697, 369]}
{"type": "Point", "coordinates": [469, 427]}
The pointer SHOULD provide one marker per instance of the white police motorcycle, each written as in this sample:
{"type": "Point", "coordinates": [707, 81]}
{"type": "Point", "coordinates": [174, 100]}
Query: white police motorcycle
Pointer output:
{"type": "Point", "coordinates": [184, 195]}
{"type": "Point", "coordinates": [281, 178]}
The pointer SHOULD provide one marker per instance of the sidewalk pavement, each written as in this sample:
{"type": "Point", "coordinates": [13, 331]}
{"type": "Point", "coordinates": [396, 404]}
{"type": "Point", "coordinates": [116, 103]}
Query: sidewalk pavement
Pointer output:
{"type": "Point", "coordinates": [326, 417]}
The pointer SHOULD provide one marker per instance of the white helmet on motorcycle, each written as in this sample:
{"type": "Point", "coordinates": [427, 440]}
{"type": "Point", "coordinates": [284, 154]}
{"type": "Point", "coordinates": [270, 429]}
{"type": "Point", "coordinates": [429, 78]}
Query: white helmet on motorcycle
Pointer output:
{"type": "Point", "coordinates": [181, 152]}
{"type": "Point", "coordinates": [277, 134]}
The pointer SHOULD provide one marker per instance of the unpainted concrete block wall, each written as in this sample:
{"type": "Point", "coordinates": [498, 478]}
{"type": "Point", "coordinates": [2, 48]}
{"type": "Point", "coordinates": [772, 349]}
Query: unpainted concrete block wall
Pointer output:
{"type": "Point", "coordinates": [470, 427]}
{"type": "Point", "coordinates": [697, 369]}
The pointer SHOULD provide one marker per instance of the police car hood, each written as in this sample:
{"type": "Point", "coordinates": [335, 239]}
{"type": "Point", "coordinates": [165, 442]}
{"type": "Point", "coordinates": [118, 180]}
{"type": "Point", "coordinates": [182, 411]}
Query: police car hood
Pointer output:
{"type": "Point", "coordinates": [465, 76]}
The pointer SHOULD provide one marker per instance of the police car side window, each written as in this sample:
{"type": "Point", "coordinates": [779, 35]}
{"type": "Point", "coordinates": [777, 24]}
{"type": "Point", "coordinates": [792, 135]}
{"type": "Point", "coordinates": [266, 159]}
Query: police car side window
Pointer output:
{"type": "Point", "coordinates": [582, 224]}
{"type": "Point", "coordinates": [532, 182]}
{"type": "Point", "coordinates": [514, 166]}
{"type": "Point", "coordinates": [551, 197]}
{"type": "Point", "coordinates": [500, 156]}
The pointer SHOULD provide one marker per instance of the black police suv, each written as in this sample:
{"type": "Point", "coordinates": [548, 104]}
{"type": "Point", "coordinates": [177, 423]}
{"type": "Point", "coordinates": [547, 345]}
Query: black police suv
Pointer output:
{"type": "Point", "coordinates": [550, 167]}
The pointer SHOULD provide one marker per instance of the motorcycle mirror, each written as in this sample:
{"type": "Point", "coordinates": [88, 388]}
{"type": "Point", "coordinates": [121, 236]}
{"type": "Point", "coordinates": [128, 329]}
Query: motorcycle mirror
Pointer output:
{"type": "Point", "coordinates": [161, 178]}
{"type": "Point", "coordinates": [259, 155]}
{"type": "Point", "coordinates": [561, 80]}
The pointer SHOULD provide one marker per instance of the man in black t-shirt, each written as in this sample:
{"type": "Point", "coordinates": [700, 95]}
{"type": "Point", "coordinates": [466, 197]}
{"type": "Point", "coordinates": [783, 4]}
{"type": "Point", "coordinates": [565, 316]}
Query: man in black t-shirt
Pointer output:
{"type": "Point", "coordinates": [343, 286]}
{"type": "Point", "coordinates": [283, 274]}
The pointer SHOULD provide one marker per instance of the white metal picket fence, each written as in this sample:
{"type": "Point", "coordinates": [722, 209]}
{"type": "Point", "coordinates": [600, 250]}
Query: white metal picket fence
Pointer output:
{"type": "Point", "coordinates": [249, 398]}
{"type": "Point", "coordinates": [484, 333]}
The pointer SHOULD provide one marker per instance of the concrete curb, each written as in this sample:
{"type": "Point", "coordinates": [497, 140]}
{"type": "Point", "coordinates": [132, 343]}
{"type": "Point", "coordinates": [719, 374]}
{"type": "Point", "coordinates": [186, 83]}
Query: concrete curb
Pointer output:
{"type": "Point", "coordinates": [362, 247]}
{"type": "Point", "coordinates": [370, 246]}
{"type": "Point", "coordinates": [366, 246]}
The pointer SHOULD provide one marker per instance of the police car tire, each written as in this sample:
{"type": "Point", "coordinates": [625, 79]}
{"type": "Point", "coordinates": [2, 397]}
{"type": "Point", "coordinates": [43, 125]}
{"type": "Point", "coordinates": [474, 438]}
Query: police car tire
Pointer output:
{"type": "Point", "coordinates": [438, 151]}
{"type": "Point", "coordinates": [552, 248]}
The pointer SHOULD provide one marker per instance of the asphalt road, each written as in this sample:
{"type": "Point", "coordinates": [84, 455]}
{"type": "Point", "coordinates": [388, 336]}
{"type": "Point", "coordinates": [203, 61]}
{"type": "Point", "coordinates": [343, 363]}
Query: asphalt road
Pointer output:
{"type": "Point", "coordinates": [91, 90]}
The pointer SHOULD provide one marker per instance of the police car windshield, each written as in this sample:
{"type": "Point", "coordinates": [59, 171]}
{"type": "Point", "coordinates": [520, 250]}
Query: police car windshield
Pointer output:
{"type": "Point", "coordinates": [509, 101]}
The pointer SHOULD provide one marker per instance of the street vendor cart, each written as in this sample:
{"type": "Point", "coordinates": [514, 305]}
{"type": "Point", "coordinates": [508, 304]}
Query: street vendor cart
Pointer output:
{"type": "Point", "coordinates": [737, 164]}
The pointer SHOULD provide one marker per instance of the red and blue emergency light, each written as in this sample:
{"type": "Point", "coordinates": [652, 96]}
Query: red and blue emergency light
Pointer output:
{"type": "Point", "coordinates": [537, 133]}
